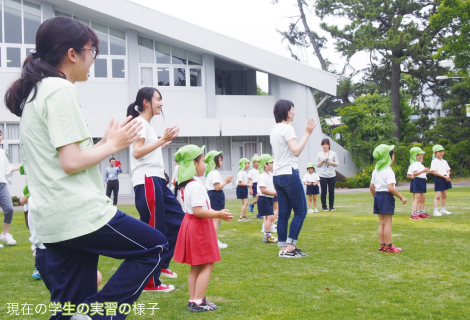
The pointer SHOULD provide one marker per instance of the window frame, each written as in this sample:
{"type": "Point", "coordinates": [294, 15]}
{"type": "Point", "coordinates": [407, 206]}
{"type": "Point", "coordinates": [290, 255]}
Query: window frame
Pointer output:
{"type": "Point", "coordinates": [6, 141]}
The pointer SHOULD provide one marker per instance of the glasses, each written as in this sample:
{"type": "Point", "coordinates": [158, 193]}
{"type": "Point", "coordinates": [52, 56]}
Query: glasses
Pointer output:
{"type": "Point", "coordinates": [93, 51]}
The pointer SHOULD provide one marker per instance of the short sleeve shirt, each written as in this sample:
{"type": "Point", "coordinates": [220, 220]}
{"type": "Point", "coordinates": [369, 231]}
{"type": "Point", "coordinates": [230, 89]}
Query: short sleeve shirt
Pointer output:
{"type": "Point", "coordinates": [265, 180]}
{"type": "Point", "coordinates": [416, 167]}
{"type": "Point", "coordinates": [311, 178]}
{"type": "Point", "coordinates": [5, 166]}
{"type": "Point", "coordinates": [195, 195]}
{"type": "Point", "coordinates": [284, 159]}
{"type": "Point", "coordinates": [65, 206]}
{"type": "Point", "coordinates": [440, 166]}
{"type": "Point", "coordinates": [381, 179]}
{"type": "Point", "coordinates": [150, 165]}
{"type": "Point", "coordinates": [253, 175]}
{"type": "Point", "coordinates": [212, 178]}
{"type": "Point", "coordinates": [242, 176]}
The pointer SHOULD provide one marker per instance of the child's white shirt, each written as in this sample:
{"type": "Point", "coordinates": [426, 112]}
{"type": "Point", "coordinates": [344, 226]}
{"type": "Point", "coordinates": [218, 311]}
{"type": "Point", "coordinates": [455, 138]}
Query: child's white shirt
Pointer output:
{"type": "Point", "coordinates": [242, 176]}
{"type": "Point", "coordinates": [195, 195]}
{"type": "Point", "coordinates": [212, 178]}
{"type": "Point", "coordinates": [416, 167]}
{"type": "Point", "coordinates": [381, 179]}
{"type": "Point", "coordinates": [265, 180]}
{"type": "Point", "coordinates": [440, 166]}
{"type": "Point", "coordinates": [311, 177]}
{"type": "Point", "coordinates": [253, 175]}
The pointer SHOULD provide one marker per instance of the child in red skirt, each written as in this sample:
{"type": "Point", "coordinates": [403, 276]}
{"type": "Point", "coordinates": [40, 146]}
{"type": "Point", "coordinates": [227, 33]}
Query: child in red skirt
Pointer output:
{"type": "Point", "coordinates": [197, 241]}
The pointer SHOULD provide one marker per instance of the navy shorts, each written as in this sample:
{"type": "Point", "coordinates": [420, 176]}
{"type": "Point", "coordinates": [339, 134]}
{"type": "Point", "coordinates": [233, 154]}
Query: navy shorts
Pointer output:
{"type": "Point", "coordinates": [217, 199]}
{"type": "Point", "coordinates": [384, 203]}
{"type": "Point", "coordinates": [242, 192]}
{"type": "Point", "coordinates": [265, 206]}
{"type": "Point", "coordinates": [440, 184]}
{"type": "Point", "coordinates": [412, 186]}
{"type": "Point", "coordinates": [419, 185]}
{"type": "Point", "coordinates": [313, 190]}
{"type": "Point", "coordinates": [255, 189]}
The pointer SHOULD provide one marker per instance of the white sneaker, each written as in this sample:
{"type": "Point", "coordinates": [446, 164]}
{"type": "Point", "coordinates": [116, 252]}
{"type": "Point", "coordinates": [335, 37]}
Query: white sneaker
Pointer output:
{"type": "Point", "coordinates": [444, 211]}
{"type": "Point", "coordinates": [316, 210]}
{"type": "Point", "coordinates": [310, 211]}
{"type": "Point", "coordinates": [221, 245]}
{"type": "Point", "coordinates": [436, 213]}
{"type": "Point", "coordinates": [8, 238]}
{"type": "Point", "coordinates": [1, 245]}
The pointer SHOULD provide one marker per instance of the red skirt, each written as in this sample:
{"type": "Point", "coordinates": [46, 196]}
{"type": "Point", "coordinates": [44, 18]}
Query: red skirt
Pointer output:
{"type": "Point", "coordinates": [197, 241]}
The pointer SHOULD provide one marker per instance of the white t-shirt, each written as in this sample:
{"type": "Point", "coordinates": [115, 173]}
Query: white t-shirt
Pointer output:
{"type": "Point", "coordinates": [150, 164]}
{"type": "Point", "coordinates": [440, 166]}
{"type": "Point", "coordinates": [195, 195]}
{"type": "Point", "coordinates": [212, 178]}
{"type": "Point", "coordinates": [416, 167]}
{"type": "Point", "coordinates": [253, 175]}
{"type": "Point", "coordinates": [381, 179]}
{"type": "Point", "coordinates": [265, 180]}
{"type": "Point", "coordinates": [5, 166]}
{"type": "Point", "coordinates": [242, 177]}
{"type": "Point", "coordinates": [285, 160]}
{"type": "Point", "coordinates": [311, 177]}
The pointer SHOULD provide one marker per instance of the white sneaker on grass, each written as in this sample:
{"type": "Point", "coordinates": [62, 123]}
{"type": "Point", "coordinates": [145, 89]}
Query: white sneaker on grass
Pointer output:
{"type": "Point", "coordinates": [1, 245]}
{"type": "Point", "coordinates": [444, 211]}
{"type": "Point", "coordinates": [8, 238]}
{"type": "Point", "coordinates": [436, 213]}
{"type": "Point", "coordinates": [221, 245]}
{"type": "Point", "coordinates": [310, 211]}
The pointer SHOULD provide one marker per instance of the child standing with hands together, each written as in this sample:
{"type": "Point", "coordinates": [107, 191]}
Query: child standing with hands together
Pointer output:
{"type": "Point", "coordinates": [242, 186]}
{"type": "Point", "coordinates": [382, 187]}
{"type": "Point", "coordinates": [312, 180]}
{"type": "Point", "coordinates": [418, 184]}
{"type": "Point", "coordinates": [441, 180]}
{"type": "Point", "coordinates": [197, 240]}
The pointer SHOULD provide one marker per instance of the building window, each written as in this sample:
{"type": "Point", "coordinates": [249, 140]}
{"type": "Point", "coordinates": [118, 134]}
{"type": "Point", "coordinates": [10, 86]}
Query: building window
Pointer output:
{"type": "Point", "coordinates": [168, 66]}
{"type": "Point", "coordinates": [19, 23]}
{"type": "Point", "coordinates": [112, 61]}
{"type": "Point", "coordinates": [11, 141]}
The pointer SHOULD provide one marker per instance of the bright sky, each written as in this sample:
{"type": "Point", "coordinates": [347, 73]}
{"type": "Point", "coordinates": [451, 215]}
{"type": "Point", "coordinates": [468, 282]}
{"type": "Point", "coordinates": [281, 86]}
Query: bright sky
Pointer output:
{"type": "Point", "coordinates": [251, 21]}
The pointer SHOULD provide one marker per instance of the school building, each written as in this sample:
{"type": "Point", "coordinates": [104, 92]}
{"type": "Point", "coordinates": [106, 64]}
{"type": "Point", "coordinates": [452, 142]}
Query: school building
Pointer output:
{"type": "Point", "coordinates": [208, 81]}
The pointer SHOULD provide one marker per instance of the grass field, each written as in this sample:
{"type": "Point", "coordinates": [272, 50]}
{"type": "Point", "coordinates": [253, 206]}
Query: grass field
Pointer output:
{"type": "Point", "coordinates": [344, 276]}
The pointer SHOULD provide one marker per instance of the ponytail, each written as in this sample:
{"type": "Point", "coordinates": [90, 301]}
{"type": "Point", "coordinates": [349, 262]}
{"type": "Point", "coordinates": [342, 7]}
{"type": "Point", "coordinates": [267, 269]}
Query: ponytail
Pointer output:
{"type": "Point", "coordinates": [53, 40]}
{"type": "Point", "coordinates": [145, 93]}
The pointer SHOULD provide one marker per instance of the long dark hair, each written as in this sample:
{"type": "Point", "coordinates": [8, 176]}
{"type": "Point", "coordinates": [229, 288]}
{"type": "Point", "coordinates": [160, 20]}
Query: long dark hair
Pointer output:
{"type": "Point", "coordinates": [145, 93]}
{"type": "Point", "coordinates": [53, 40]}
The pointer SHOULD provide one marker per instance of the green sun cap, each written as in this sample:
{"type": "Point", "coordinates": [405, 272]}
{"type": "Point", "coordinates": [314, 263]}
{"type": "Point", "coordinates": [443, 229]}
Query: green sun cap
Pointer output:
{"type": "Point", "coordinates": [311, 165]}
{"type": "Point", "coordinates": [414, 152]}
{"type": "Point", "coordinates": [437, 148]}
{"type": "Point", "coordinates": [241, 163]}
{"type": "Point", "coordinates": [209, 159]}
{"type": "Point", "coordinates": [381, 154]}
{"type": "Point", "coordinates": [263, 159]}
{"type": "Point", "coordinates": [185, 157]}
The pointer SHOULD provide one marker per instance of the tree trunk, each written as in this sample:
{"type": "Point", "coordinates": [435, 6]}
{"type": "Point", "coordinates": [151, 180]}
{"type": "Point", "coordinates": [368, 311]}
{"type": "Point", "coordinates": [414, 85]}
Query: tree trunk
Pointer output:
{"type": "Point", "coordinates": [310, 36]}
{"type": "Point", "coordinates": [395, 92]}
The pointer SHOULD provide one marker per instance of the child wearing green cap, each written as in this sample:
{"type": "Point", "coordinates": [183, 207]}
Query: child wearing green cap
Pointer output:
{"type": "Point", "coordinates": [312, 180]}
{"type": "Point", "coordinates": [382, 188]}
{"type": "Point", "coordinates": [417, 171]}
{"type": "Point", "coordinates": [266, 193]}
{"type": "Point", "coordinates": [441, 171]}
{"type": "Point", "coordinates": [242, 186]}
{"type": "Point", "coordinates": [214, 185]}
{"type": "Point", "coordinates": [253, 176]}
{"type": "Point", "coordinates": [197, 241]}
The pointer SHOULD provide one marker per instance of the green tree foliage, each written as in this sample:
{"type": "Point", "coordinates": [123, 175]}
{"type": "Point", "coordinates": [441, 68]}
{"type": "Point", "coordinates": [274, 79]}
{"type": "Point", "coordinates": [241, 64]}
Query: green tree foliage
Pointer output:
{"type": "Point", "coordinates": [453, 18]}
{"type": "Point", "coordinates": [260, 91]}
{"type": "Point", "coordinates": [395, 32]}
{"type": "Point", "coordinates": [367, 123]}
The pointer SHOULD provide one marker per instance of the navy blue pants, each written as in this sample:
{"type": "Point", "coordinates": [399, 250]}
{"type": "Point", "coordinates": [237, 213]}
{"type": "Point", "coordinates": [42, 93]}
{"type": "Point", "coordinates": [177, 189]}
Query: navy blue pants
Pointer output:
{"type": "Point", "coordinates": [71, 265]}
{"type": "Point", "coordinates": [159, 208]}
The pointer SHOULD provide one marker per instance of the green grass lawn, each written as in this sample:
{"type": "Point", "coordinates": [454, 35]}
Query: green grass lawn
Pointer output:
{"type": "Point", "coordinates": [344, 276]}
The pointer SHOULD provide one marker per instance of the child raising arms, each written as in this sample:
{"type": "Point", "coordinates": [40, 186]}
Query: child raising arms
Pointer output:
{"type": "Point", "coordinates": [382, 187]}
{"type": "Point", "coordinates": [197, 241]}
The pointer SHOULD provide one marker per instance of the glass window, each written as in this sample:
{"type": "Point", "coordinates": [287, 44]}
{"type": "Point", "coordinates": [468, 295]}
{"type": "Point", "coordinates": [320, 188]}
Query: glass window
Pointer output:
{"type": "Point", "coordinates": [178, 56]}
{"type": "Point", "coordinates": [195, 76]}
{"type": "Point", "coordinates": [145, 50]}
{"type": "Point", "coordinates": [28, 51]}
{"type": "Point", "coordinates": [117, 41]}
{"type": "Point", "coordinates": [14, 57]}
{"type": "Point", "coordinates": [13, 30]}
{"type": "Point", "coordinates": [162, 53]}
{"type": "Point", "coordinates": [163, 76]}
{"type": "Point", "coordinates": [101, 68]}
{"type": "Point", "coordinates": [1, 23]}
{"type": "Point", "coordinates": [15, 153]}
{"type": "Point", "coordinates": [180, 77]}
{"type": "Point", "coordinates": [12, 132]}
{"type": "Point", "coordinates": [194, 58]}
{"type": "Point", "coordinates": [118, 68]}
{"type": "Point", "coordinates": [85, 21]}
{"type": "Point", "coordinates": [146, 76]}
{"type": "Point", "coordinates": [32, 21]}
{"type": "Point", "coordinates": [102, 32]}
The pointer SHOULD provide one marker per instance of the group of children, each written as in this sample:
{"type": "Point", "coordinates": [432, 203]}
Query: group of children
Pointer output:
{"type": "Point", "coordinates": [383, 190]}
